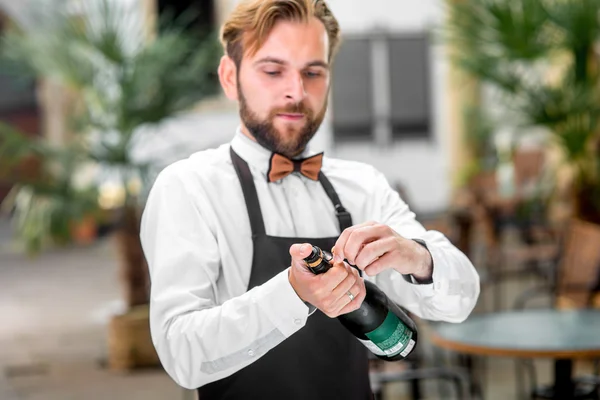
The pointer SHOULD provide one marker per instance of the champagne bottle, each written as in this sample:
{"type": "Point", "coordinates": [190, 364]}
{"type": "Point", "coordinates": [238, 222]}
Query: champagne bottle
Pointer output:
{"type": "Point", "coordinates": [379, 324]}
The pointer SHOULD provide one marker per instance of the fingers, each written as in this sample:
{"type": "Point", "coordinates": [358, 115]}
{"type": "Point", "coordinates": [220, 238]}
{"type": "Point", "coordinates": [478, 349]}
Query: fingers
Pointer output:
{"type": "Point", "coordinates": [380, 265]}
{"type": "Point", "coordinates": [372, 251]}
{"type": "Point", "coordinates": [337, 298]}
{"type": "Point", "coordinates": [359, 292]}
{"type": "Point", "coordinates": [341, 291]}
{"type": "Point", "coordinates": [340, 301]}
{"type": "Point", "coordinates": [315, 289]}
{"type": "Point", "coordinates": [335, 276]}
{"type": "Point", "coordinates": [329, 291]}
{"type": "Point", "coordinates": [299, 251]}
{"type": "Point", "coordinates": [340, 244]}
{"type": "Point", "coordinates": [352, 241]}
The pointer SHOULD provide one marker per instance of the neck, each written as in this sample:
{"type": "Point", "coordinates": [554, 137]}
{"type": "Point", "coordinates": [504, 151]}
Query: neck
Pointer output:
{"type": "Point", "coordinates": [247, 133]}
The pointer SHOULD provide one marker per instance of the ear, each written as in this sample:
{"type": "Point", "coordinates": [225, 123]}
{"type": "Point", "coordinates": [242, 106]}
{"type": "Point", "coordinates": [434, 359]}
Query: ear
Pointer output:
{"type": "Point", "coordinates": [228, 77]}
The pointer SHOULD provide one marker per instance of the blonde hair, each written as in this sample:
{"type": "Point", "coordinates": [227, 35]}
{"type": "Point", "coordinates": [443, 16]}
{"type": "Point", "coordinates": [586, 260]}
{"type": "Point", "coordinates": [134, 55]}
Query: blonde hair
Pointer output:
{"type": "Point", "coordinates": [252, 20]}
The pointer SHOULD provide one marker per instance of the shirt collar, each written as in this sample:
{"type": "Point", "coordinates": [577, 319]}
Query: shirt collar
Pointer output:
{"type": "Point", "coordinates": [256, 155]}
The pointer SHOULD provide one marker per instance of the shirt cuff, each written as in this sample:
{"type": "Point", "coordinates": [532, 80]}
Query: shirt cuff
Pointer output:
{"type": "Point", "coordinates": [278, 299]}
{"type": "Point", "coordinates": [410, 278]}
{"type": "Point", "coordinates": [311, 308]}
{"type": "Point", "coordinates": [439, 283]}
{"type": "Point", "coordinates": [446, 280]}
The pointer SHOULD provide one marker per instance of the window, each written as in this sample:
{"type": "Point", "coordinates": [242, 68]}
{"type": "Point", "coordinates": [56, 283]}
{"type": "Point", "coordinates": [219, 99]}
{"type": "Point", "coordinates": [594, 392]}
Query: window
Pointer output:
{"type": "Point", "coordinates": [409, 85]}
{"type": "Point", "coordinates": [199, 17]}
{"type": "Point", "coordinates": [203, 13]}
{"type": "Point", "coordinates": [381, 88]}
{"type": "Point", "coordinates": [351, 92]}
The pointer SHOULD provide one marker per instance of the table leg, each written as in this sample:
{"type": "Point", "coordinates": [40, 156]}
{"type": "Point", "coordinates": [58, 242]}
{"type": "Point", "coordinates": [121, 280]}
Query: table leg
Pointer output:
{"type": "Point", "coordinates": [468, 362]}
{"type": "Point", "coordinates": [564, 389]}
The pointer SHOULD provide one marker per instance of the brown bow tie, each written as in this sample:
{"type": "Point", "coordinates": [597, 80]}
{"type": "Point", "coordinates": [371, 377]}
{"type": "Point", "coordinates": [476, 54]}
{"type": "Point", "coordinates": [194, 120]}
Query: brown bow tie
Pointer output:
{"type": "Point", "coordinates": [281, 166]}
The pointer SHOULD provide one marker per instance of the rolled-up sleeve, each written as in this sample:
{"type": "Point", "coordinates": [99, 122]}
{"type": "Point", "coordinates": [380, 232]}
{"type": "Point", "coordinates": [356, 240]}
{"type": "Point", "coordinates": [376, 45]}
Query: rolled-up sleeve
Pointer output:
{"type": "Point", "coordinates": [455, 288]}
{"type": "Point", "coordinates": [197, 339]}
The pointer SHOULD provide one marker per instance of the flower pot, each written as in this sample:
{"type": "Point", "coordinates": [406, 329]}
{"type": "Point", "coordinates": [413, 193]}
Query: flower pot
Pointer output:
{"type": "Point", "coordinates": [85, 230]}
{"type": "Point", "coordinates": [129, 341]}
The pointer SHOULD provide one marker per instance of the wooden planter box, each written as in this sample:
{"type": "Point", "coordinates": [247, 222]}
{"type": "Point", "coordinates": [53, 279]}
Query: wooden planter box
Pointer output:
{"type": "Point", "coordinates": [129, 341]}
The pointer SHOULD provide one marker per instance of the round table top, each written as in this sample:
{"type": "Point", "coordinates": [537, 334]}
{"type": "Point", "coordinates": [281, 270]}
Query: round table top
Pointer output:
{"type": "Point", "coordinates": [530, 333]}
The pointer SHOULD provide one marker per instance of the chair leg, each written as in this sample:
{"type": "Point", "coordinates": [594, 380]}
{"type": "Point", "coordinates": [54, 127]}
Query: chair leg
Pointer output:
{"type": "Point", "coordinates": [415, 385]}
{"type": "Point", "coordinates": [596, 372]}
{"type": "Point", "coordinates": [415, 390]}
{"type": "Point", "coordinates": [457, 376]}
{"type": "Point", "coordinates": [462, 386]}
{"type": "Point", "coordinates": [519, 380]}
{"type": "Point", "coordinates": [467, 362]}
{"type": "Point", "coordinates": [520, 367]}
{"type": "Point", "coordinates": [377, 395]}
{"type": "Point", "coordinates": [459, 389]}
{"type": "Point", "coordinates": [440, 360]}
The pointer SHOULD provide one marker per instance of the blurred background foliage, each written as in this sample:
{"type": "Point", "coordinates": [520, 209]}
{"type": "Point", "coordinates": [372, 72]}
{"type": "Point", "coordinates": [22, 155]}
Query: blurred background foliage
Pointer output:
{"type": "Point", "coordinates": [124, 78]}
{"type": "Point", "coordinates": [541, 59]}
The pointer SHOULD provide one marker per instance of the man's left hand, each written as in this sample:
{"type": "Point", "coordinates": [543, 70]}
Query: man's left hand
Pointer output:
{"type": "Point", "coordinates": [375, 247]}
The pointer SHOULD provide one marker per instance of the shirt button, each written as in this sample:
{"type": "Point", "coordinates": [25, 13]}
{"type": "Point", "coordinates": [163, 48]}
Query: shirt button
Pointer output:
{"type": "Point", "coordinates": [251, 353]}
{"type": "Point", "coordinates": [298, 321]}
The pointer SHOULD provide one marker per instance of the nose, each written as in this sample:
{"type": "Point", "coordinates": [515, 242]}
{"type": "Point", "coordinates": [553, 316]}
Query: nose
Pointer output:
{"type": "Point", "coordinates": [295, 90]}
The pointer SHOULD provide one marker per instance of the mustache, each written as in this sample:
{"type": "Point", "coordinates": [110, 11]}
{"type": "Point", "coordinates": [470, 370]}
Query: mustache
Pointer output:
{"type": "Point", "coordinates": [297, 108]}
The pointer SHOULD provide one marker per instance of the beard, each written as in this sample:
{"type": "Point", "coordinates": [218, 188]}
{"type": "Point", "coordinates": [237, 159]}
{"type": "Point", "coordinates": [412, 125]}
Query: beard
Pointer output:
{"type": "Point", "coordinates": [289, 143]}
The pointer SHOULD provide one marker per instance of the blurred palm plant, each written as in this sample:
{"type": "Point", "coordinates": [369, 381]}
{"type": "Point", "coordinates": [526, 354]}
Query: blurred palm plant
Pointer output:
{"type": "Point", "coordinates": [479, 132]}
{"type": "Point", "coordinates": [124, 80]}
{"type": "Point", "coordinates": [542, 57]}
{"type": "Point", "coordinates": [44, 196]}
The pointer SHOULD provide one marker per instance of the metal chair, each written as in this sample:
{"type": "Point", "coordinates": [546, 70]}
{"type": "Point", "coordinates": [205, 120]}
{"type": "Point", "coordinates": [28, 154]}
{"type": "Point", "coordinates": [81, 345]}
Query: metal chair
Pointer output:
{"type": "Point", "coordinates": [456, 376]}
{"type": "Point", "coordinates": [414, 374]}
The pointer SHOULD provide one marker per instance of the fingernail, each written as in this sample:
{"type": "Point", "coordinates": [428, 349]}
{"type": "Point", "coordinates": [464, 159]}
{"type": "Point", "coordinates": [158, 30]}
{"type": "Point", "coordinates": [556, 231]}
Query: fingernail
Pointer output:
{"type": "Point", "coordinates": [302, 248]}
{"type": "Point", "coordinates": [337, 258]}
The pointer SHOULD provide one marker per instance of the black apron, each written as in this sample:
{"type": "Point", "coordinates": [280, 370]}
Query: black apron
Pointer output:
{"type": "Point", "coordinates": [320, 361]}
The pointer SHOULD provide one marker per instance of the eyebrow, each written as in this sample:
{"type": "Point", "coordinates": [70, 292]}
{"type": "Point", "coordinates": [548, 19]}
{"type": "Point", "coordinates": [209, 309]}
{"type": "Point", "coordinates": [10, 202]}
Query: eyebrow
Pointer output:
{"type": "Point", "coordinates": [273, 60]}
{"type": "Point", "coordinates": [318, 63]}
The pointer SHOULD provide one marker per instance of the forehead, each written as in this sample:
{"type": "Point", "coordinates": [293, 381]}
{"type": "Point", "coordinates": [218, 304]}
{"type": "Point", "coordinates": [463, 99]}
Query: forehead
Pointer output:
{"type": "Point", "coordinates": [296, 42]}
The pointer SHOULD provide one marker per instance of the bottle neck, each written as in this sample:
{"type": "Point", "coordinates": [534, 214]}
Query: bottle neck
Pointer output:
{"type": "Point", "coordinates": [318, 261]}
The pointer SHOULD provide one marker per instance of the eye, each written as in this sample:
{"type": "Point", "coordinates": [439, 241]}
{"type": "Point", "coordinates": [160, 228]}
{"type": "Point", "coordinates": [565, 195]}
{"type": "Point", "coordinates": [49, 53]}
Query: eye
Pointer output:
{"type": "Point", "coordinates": [312, 74]}
{"type": "Point", "coordinates": [273, 73]}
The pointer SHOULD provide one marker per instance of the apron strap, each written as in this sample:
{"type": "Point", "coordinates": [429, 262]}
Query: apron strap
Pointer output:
{"type": "Point", "coordinates": [252, 205]}
{"type": "Point", "coordinates": [343, 216]}
{"type": "Point", "coordinates": [254, 212]}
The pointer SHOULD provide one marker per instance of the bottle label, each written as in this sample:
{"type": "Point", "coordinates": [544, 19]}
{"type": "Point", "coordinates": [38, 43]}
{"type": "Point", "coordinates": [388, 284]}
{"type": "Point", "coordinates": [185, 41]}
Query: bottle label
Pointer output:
{"type": "Point", "coordinates": [372, 347]}
{"type": "Point", "coordinates": [392, 337]}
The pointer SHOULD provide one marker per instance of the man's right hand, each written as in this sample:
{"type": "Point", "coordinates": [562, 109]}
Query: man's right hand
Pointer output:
{"type": "Point", "coordinates": [329, 291]}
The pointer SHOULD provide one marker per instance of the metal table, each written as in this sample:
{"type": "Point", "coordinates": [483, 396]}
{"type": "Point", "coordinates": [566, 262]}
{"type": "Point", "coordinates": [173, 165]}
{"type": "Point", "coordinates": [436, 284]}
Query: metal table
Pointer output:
{"type": "Point", "coordinates": [564, 336]}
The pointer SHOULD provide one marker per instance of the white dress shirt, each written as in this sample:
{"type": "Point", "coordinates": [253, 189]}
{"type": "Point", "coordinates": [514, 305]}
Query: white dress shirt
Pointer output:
{"type": "Point", "coordinates": [196, 237]}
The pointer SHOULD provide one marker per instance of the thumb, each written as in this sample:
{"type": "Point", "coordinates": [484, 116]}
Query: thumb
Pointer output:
{"type": "Point", "coordinates": [299, 251]}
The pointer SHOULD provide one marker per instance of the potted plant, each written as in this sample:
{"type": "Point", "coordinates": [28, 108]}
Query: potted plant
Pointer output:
{"type": "Point", "coordinates": [540, 58]}
{"type": "Point", "coordinates": [123, 81]}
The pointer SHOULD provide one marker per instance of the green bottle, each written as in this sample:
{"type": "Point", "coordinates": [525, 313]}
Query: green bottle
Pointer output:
{"type": "Point", "coordinates": [380, 324]}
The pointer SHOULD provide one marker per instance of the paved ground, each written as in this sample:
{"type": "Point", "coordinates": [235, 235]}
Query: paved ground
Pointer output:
{"type": "Point", "coordinates": [52, 338]}
{"type": "Point", "coordinates": [54, 311]}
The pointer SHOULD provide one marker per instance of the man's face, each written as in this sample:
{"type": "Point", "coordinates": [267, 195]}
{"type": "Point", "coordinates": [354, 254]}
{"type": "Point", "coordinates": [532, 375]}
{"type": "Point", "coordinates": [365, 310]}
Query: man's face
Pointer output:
{"type": "Point", "coordinates": [283, 88]}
